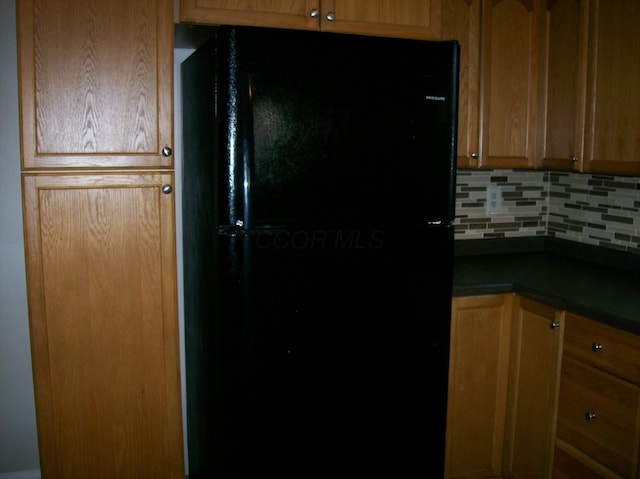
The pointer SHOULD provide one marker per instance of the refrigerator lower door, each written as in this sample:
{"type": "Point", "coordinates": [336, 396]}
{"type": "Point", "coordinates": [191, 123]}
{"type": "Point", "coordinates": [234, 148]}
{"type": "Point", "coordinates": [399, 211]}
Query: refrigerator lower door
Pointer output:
{"type": "Point", "coordinates": [335, 352]}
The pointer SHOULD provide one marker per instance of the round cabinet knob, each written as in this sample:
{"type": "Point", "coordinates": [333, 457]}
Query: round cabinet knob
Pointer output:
{"type": "Point", "coordinates": [596, 347]}
{"type": "Point", "coordinates": [573, 159]}
{"type": "Point", "coordinates": [331, 16]}
{"type": "Point", "coordinates": [315, 13]}
{"type": "Point", "coordinates": [166, 151]}
{"type": "Point", "coordinates": [555, 324]}
{"type": "Point", "coordinates": [166, 189]}
{"type": "Point", "coordinates": [475, 155]}
{"type": "Point", "coordinates": [590, 416]}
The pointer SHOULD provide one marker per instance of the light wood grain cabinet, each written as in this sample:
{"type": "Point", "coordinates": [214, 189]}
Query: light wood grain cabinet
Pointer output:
{"type": "Point", "coordinates": [592, 100]}
{"type": "Point", "coordinates": [534, 376]}
{"type": "Point", "coordinates": [100, 253]}
{"type": "Point", "coordinates": [403, 19]}
{"type": "Point", "coordinates": [536, 392]}
{"type": "Point", "coordinates": [500, 87]}
{"type": "Point", "coordinates": [461, 22]}
{"type": "Point", "coordinates": [478, 381]}
{"type": "Point", "coordinates": [566, 37]}
{"type": "Point", "coordinates": [598, 432]}
{"type": "Point", "coordinates": [96, 117]}
{"type": "Point", "coordinates": [503, 383]}
{"type": "Point", "coordinates": [613, 95]}
{"type": "Point", "coordinates": [95, 83]}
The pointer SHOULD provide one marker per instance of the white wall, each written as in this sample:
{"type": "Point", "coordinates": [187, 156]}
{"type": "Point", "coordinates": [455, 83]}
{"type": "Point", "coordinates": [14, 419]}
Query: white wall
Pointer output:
{"type": "Point", "coordinates": [18, 440]}
{"type": "Point", "coordinates": [179, 55]}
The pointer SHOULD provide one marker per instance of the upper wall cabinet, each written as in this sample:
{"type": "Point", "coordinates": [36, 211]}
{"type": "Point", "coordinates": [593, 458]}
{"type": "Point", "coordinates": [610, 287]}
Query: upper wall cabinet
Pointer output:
{"type": "Point", "coordinates": [592, 110]}
{"type": "Point", "coordinates": [613, 88]}
{"type": "Point", "coordinates": [102, 102]}
{"type": "Point", "coordinates": [566, 30]}
{"type": "Point", "coordinates": [400, 18]}
{"type": "Point", "coordinates": [461, 21]}
{"type": "Point", "coordinates": [499, 88]}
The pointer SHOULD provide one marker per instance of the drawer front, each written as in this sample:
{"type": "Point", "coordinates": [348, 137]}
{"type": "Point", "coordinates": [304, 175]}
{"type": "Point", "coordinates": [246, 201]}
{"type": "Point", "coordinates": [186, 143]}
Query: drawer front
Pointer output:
{"type": "Point", "coordinates": [598, 414]}
{"type": "Point", "coordinates": [603, 346]}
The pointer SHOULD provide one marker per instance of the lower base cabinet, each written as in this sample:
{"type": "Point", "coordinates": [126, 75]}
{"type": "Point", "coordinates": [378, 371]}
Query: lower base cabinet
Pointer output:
{"type": "Point", "coordinates": [536, 393]}
{"type": "Point", "coordinates": [478, 379]}
{"type": "Point", "coordinates": [598, 433]}
{"type": "Point", "coordinates": [503, 380]}
{"type": "Point", "coordinates": [534, 376]}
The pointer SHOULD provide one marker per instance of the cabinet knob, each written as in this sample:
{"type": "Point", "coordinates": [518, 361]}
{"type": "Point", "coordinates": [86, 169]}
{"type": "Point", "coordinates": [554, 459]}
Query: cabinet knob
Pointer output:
{"type": "Point", "coordinates": [596, 347]}
{"type": "Point", "coordinates": [590, 416]}
{"type": "Point", "coordinates": [166, 151]}
{"type": "Point", "coordinates": [314, 13]}
{"type": "Point", "coordinates": [555, 324]}
{"type": "Point", "coordinates": [475, 155]}
{"type": "Point", "coordinates": [330, 16]}
{"type": "Point", "coordinates": [573, 158]}
{"type": "Point", "coordinates": [167, 189]}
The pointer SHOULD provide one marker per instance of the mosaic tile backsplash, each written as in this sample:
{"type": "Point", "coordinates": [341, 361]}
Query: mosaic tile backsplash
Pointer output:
{"type": "Point", "coordinates": [595, 209]}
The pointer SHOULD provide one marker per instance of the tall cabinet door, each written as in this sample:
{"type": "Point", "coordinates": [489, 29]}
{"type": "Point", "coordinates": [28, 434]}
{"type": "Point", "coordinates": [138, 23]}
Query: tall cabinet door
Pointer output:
{"type": "Point", "coordinates": [478, 379]}
{"type": "Point", "coordinates": [100, 253]}
{"type": "Point", "coordinates": [534, 379]}
{"type": "Point", "coordinates": [461, 22]}
{"type": "Point", "coordinates": [613, 108]}
{"type": "Point", "coordinates": [566, 30]}
{"type": "Point", "coordinates": [511, 57]}
{"type": "Point", "coordinates": [93, 82]}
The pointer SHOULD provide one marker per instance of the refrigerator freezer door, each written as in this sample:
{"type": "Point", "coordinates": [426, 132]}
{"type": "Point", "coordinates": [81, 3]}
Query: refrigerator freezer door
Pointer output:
{"type": "Point", "coordinates": [334, 130]}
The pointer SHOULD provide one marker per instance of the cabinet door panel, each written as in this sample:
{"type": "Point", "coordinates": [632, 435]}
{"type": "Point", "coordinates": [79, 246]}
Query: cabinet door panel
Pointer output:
{"type": "Point", "coordinates": [461, 22]}
{"type": "Point", "coordinates": [294, 14]}
{"type": "Point", "coordinates": [480, 329]}
{"type": "Point", "coordinates": [613, 120]}
{"type": "Point", "coordinates": [103, 101]}
{"type": "Point", "coordinates": [511, 58]}
{"type": "Point", "coordinates": [102, 306]}
{"type": "Point", "coordinates": [566, 84]}
{"type": "Point", "coordinates": [400, 18]}
{"type": "Point", "coordinates": [534, 380]}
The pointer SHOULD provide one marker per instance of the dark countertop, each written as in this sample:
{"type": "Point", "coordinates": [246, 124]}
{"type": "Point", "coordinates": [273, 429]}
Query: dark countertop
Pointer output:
{"type": "Point", "coordinates": [601, 285]}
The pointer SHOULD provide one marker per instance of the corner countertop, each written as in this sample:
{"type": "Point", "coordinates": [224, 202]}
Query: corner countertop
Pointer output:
{"type": "Point", "coordinates": [587, 280]}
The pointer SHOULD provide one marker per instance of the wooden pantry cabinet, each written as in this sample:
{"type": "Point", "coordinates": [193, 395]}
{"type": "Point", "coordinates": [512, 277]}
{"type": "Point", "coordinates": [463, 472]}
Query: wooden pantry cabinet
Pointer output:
{"type": "Point", "coordinates": [96, 115]}
{"type": "Point", "coordinates": [400, 18]}
{"type": "Point", "coordinates": [592, 102]}
{"type": "Point", "coordinates": [500, 88]}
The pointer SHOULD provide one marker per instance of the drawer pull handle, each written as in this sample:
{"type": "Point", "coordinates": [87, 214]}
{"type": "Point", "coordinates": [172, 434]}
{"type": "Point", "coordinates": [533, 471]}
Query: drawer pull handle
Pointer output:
{"type": "Point", "coordinates": [590, 416]}
{"type": "Point", "coordinates": [596, 347]}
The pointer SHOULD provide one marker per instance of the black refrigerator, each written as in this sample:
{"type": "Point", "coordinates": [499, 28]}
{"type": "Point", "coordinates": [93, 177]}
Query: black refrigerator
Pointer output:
{"type": "Point", "coordinates": [318, 201]}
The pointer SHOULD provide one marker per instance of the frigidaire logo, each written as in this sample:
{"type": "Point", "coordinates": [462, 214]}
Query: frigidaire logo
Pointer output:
{"type": "Point", "coordinates": [319, 239]}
